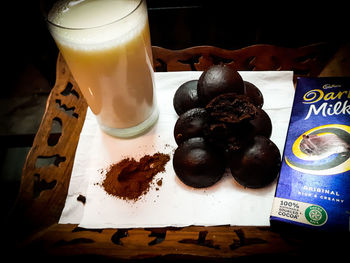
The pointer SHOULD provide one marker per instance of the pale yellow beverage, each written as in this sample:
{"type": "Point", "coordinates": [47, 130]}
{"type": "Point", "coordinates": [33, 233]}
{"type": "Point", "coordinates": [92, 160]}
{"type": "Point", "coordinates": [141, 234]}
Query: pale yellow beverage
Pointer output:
{"type": "Point", "coordinates": [106, 44]}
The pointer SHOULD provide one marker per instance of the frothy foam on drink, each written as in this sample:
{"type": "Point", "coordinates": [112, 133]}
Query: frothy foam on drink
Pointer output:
{"type": "Point", "coordinates": [95, 24]}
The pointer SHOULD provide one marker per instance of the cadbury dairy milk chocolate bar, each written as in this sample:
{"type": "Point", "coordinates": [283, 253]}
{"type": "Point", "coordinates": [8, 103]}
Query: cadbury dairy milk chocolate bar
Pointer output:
{"type": "Point", "coordinates": [313, 189]}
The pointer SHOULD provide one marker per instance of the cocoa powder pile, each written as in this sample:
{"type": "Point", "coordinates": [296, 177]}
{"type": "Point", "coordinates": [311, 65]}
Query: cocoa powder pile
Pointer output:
{"type": "Point", "coordinates": [129, 179]}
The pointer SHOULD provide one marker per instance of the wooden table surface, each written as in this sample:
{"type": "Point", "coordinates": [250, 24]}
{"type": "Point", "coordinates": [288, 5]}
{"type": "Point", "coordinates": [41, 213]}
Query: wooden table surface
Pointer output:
{"type": "Point", "coordinates": [32, 229]}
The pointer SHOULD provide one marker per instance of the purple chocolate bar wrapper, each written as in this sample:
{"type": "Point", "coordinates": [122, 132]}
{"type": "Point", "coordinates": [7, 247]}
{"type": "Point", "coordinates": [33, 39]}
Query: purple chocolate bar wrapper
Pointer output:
{"type": "Point", "coordinates": [313, 189]}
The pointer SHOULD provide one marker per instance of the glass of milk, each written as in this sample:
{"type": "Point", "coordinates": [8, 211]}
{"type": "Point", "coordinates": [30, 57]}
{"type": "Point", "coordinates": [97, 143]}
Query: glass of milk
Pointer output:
{"type": "Point", "coordinates": [107, 47]}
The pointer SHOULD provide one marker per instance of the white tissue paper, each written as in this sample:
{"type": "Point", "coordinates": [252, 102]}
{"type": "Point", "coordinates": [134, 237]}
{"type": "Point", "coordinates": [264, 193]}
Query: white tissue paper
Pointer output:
{"type": "Point", "coordinates": [173, 204]}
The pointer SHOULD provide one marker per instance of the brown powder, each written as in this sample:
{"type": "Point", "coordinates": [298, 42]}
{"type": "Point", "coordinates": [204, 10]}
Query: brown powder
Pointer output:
{"type": "Point", "coordinates": [129, 179]}
{"type": "Point", "coordinates": [160, 182]}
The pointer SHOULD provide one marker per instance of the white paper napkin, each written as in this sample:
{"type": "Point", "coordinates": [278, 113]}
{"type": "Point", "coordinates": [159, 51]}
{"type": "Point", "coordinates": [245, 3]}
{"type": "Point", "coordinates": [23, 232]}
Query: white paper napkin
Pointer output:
{"type": "Point", "coordinates": [174, 204]}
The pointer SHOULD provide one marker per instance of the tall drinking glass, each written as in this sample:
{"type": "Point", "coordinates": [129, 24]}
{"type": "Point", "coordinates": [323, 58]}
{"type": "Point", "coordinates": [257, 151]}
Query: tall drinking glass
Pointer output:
{"type": "Point", "coordinates": [106, 44]}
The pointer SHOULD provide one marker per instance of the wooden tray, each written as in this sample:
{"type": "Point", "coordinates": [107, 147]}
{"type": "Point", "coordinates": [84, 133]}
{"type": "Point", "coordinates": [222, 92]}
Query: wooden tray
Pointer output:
{"type": "Point", "coordinates": [33, 229]}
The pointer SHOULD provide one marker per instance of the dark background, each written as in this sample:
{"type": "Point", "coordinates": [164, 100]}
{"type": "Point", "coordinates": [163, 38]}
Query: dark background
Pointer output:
{"type": "Point", "coordinates": [178, 24]}
{"type": "Point", "coordinates": [29, 53]}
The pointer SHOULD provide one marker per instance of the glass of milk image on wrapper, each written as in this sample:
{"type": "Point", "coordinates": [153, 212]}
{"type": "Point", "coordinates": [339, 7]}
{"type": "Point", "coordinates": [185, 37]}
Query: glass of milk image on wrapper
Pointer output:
{"type": "Point", "coordinates": [323, 150]}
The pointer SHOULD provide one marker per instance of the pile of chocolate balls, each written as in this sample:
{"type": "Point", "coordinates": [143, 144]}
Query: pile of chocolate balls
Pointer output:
{"type": "Point", "coordinates": [222, 125]}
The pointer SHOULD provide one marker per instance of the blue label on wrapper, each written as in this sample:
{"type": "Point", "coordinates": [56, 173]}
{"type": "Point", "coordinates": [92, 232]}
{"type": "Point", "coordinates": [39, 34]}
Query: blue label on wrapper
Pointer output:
{"type": "Point", "coordinates": [314, 184]}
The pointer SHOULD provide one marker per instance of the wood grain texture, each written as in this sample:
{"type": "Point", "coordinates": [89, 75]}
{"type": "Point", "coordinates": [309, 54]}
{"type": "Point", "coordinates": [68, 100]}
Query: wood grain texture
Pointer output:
{"type": "Point", "coordinates": [339, 64]}
{"type": "Point", "coordinates": [206, 242]}
{"type": "Point", "coordinates": [304, 61]}
{"type": "Point", "coordinates": [47, 171]}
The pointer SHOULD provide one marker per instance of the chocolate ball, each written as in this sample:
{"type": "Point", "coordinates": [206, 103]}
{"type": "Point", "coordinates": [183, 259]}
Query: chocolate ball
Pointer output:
{"type": "Point", "coordinates": [190, 124]}
{"type": "Point", "coordinates": [197, 164]}
{"type": "Point", "coordinates": [229, 116]}
{"type": "Point", "coordinates": [253, 92]}
{"type": "Point", "coordinates": [216, 80]}
{"type": "Point", "coordinates": [231, 108]}
{"type": "Point", "coordinates": [185, 97]}
{"type": "Point", "coordinates": [257, 165]}
{"type": "Point", "coordinates": [227, 142]}
{"type": "Point", "coordinates": [261, 124]}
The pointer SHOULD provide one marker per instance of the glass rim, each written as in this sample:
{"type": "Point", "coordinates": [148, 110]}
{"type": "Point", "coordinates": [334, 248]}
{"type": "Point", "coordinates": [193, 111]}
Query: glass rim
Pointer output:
{"type": "Point", "coordinates": [45, 14]}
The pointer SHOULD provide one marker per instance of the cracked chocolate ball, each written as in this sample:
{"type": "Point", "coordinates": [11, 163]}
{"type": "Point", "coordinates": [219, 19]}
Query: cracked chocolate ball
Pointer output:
{"type": "Point", "coordinates": [197, 164]}
{"type": "Point", "coordinates": [231, 108]}
{"type": "Point", "coordinates": [229, 116]}
{"type": "Point", "coordinates": [257, 165]}
{"type": "Point", "coordinates": [216, 80]}
{"type": "Point", "coordinates": [190, 124]}
{"type": "Point", "coordinates": [253, 92]}
{"type": "Point", "coordinates": [185, 97]}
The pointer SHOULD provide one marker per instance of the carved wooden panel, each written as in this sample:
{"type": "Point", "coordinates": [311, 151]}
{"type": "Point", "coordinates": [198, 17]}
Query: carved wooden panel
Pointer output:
{"type": "Point", "coordinates": [46, 172]}
{"type": "Point", "coordinates": [189, 242]}
{"type": "Point", "coordinates": [304, 61]}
